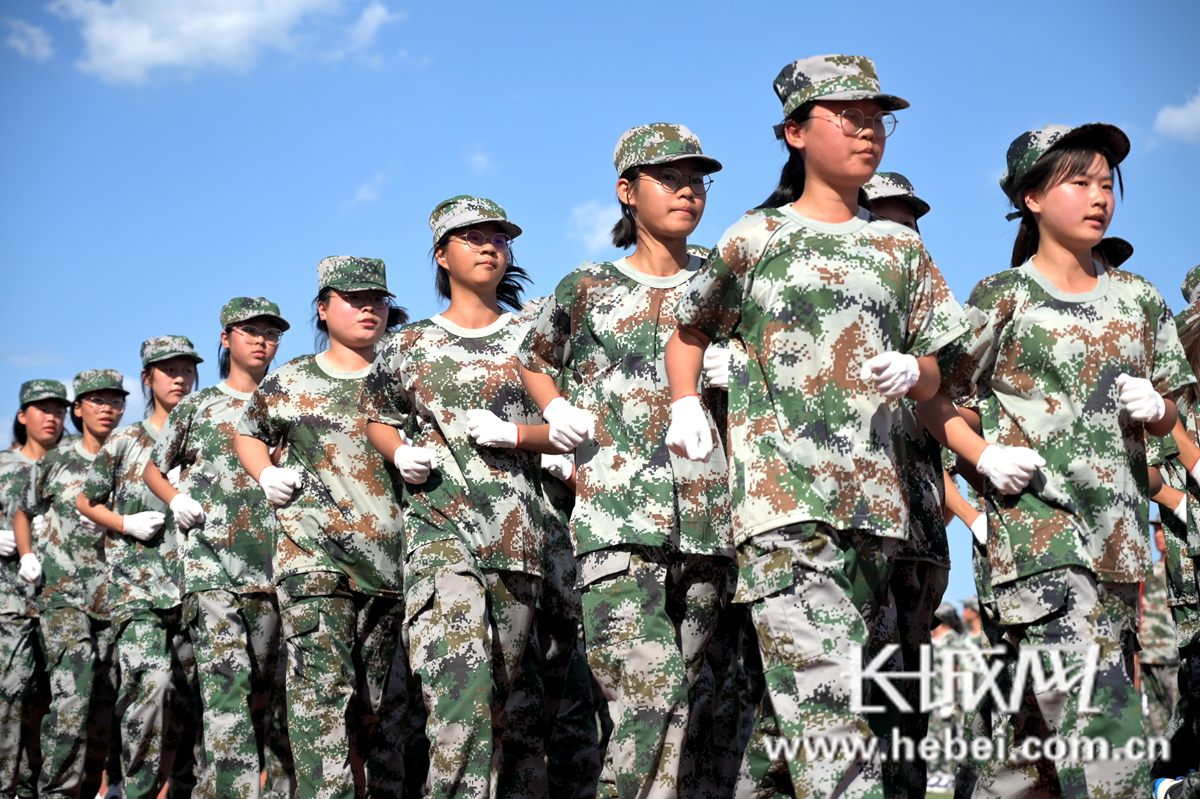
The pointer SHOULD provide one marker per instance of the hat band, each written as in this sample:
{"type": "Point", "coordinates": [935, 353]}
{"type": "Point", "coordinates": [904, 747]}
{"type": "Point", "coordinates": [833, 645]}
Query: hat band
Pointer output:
{"type": "Point", "coordinates": [815, 91]}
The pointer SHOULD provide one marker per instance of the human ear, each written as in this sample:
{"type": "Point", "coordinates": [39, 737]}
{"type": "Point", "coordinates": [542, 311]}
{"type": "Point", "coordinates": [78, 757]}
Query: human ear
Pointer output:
{"type": "Point", "coordinates": [1033, 201]}
{"type": "Point", "coordinates": [322, 308]}
{"type": "Point", "coordinates": [21, 416]}
{"type": "Point", "coordinates": [439, 257]}
{"type": "Point", "coordinates": [793, 134]}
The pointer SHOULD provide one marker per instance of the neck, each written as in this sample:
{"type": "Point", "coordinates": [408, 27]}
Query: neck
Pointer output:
{"type": "Point", "coordinates": [91, 442]}
{"type": "Point", "coordinates": [344, 358]}
{"type": "Point", "coordinates": [826, 203]}
{"type": "Point", "coordinates": [976, 626]}
{"type": "Point", "coordinates": [470, 310]}
{"type": "Point", "coordinates": [1070, 269]}
{"type": "Point", "coordinates": [242, 379]}
{"type": "Point", "coordinates": [33, 450]}
{"type": "Point", "coordinates": [658, 257]}
{"type": "Point", "coordinates": [159, 417]}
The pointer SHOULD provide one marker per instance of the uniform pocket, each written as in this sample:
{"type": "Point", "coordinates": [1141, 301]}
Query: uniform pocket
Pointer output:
{"type": "Point", "coordinates": [767, 574]}
{"type": "Point", "coordinates": [595, 566]}
{"type": "Point", "coordinates": [311, 656]}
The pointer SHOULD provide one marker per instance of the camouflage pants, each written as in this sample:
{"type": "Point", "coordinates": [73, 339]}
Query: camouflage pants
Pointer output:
{"type": "Point", "coordinates": [466, 633]}
{"type": "Point", "coordinates": [346, 689]}
{"type": "Point", "coordinates": [81, 666]}
{"type": "Point", "coordinates": [1068, 610]}
{"type": "Point", "coordinates": [236, 640]}
{"type": "Point", "coordinates": [571, 737]}
{"type": "Point", "coordinates": [815, 595]}
{"type": "Point", "coordinates": [1160, 692]}
{"type": "Point", "coordinates": [648, 616]}
{"type": "Point", "coordinates": [1183, 731]}
{"type": "Point", "coordinates": [21, 669]}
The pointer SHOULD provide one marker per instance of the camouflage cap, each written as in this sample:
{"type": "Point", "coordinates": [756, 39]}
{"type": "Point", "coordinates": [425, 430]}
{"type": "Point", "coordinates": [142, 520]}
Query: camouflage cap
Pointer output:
{"type": "Point", "coordinates": [465, 210]}
{"type": "Point", "coordinates": [1191, 285]}
{"type": "Point", "coordinates": [700, 252]}
{"type": "Point", "coordinates": [34, 390]}
{"type": "Point", "coordinates": [831, 77]}
{"type": "Point", "coordinates": [946, 611]}
{"type": "Point", "coordinates": [160, 348]}
{"type": "Point", "coordinates": [1114, 250]}
{"type": "Point", "coordinates": [893, 184]}
{"type": "Point", "coordinates": [239, 309]}
{"type": "Point", "coordinates": [98, 380]}
{"type": "Point", "coordinates": [348, 273]}
{"type": "Point", "coordinates": [660, 143]}
{"type": "Point", "coordinates": [971, 602]}
{"type": "Point", "coordinates": [1031, 145]}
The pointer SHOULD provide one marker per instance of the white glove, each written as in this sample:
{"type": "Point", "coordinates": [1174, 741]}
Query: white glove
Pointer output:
{"type": "Point", "coordinates": [39, 525]}
{"type": "Point", "coordinates": [279, 484]}
{"type": "Point", "coordinates": [689, 435]}
{"type": "Point", "coordinates": [560, 466]}
{"type": "Point", "coordinates": [716, 366]}
{"type": "Point", "coordinates": [8, 543]}
{"type": "Point", "coordinates": [892, 373]}
{"type": "Point", "coordinates": [91, 526]}
{"type": "Point", "coordinates": [414, 463]}
{"type": "Point", "coordinates": [31, 568]}
{"type": "Point", "coordinates": [1009, 469]}
{"type": "Point", "coordinates": [489, 430]}
{"type": "Point", "coordinates": [188, 512]}
{"type": "Point", "coordinates": [979, 529]}
{"type": "Point", "coordinates": [1181, 511]}
{"type": "Point", "coordinates": [568, 425]}
{"type": "Point", "coordinates": [173, 477]}
{"type": "Point", "coordinates": [143, 526]}
{"type": "Point", "coordinates": [1139, 396]}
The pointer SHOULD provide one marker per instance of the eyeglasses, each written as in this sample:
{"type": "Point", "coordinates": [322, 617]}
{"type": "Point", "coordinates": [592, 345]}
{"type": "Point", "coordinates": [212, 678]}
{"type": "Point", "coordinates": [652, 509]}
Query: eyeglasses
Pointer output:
{"type": "Point", "coordinates": [673, 180]}
{"type": "Point", "coordinates": [476, 240]}
{"type": "Point", "coordinates": [98, 402]}
{"type": "Point", "coordinates": [251, 332]}
{"type": "Point", "coordinates": [853, 121]}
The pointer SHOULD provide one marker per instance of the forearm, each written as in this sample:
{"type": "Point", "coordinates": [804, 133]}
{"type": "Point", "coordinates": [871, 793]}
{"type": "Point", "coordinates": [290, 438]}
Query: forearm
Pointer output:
{"type": "Point", "coordinates": [1189, 453]}
{"type": "Point", "coordinates": [540, 387]}
{"type": "Point", "coordinates": [684, 359]}
{"type": "Point", "coordinates": [536, 438]}
{"type": "Point", "coordinates": [1165, 425]}
{"type": "Point", "coordinates": [252, 454]}
{"type": "Point", "coordinates": [957, 504]}
{"type": "Point", "coordinates": [99, 514]}
{"type": "Point", "coordinates": [22, 533]}
{"type": "Point", "coordinates": [384, 438]}
{"type": "Point", "coordinates": [158, 483]}
{"type": "Point", "coordinates": [942, 419]}
{"type": "Point", "coordinates": [928, 382]}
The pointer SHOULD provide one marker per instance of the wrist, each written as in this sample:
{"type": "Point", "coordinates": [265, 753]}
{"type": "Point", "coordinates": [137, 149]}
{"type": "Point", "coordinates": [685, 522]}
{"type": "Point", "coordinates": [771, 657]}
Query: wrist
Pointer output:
{"type": "Point", "coordinates": [685, 396]}
{"type": "Point", "coordinates": [555, 399]}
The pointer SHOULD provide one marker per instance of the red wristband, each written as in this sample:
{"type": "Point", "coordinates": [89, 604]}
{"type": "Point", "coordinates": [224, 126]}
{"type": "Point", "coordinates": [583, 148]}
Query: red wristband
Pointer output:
{"type": "Point", "coordinates": [685, 396]}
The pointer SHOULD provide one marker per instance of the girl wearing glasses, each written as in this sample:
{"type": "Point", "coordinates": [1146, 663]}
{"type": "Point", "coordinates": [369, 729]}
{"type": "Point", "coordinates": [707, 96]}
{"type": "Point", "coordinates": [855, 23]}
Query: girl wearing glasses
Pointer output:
{"type": "Point", "coordinates": [472, 526]}
{"type": "Point", "coordinates": [66, 563]}
{"type": "Point", "coordinates": [337, 557]}
{"type": "Point", "coordinates": [651, 531]}
{"type": "Point", "coordinates": [229, 605]}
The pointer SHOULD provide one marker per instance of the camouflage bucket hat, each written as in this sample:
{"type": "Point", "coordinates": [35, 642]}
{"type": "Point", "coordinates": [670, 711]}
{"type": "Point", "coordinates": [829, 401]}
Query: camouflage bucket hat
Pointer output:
{"type": "Point", "coordinates": [160, 348]}
{"type": "Point", "coordinates": [893, 184]}
{"type": "Point", "coordinates": [34, 390]}
{"type": "Point", "coordinates": [660, 143]}
{"type": "Point", "coordinates": [239, 309]}
{"type": "Point", "coordinates": [91, 380]}
{"type": "Point", "coordinates": [1191, 285]}
{"type": "Point", "coordinates": [831, 77]}
{"type": "Point", "coordinates": [348, 273]}
{"type": "Point", "coordinates": [1115, 250]}
{"type": "Point", "coordinates": [1031, 145]}
{"type": "Point", "coordinates": [1186, 319]}
{"type": "Point", "coordinates": [465, 210]}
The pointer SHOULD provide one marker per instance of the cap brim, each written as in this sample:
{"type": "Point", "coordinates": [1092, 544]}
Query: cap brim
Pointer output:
{"type": "Point", "coordinates": [279, 320]}
{"type": "Point", "coordinates": [888, 102]}
{"type": "Point", "coordinates": [359, 287]}
{"type": "Point", "coordinates": [1108, 137]}
{"type": "Point", "coordinates": [707, 164]}
{"type": "Point", "coordinates": [1116, 250]}
{"type": "Point", "coordinates": [41, 397]}
{"type": "Point", "coordinates": [169, 355]}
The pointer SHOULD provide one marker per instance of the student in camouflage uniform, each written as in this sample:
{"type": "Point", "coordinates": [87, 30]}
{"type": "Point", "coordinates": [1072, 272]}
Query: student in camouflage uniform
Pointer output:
{"type": "Point", "coordinates": [1097, 359]}
{"type": "Point", "coordinates": [67, 559]}
{"type": "Point", "coordinates": [650, 529]}
{"type": "Point", "coordinates": [473, 525]}
{"type": "Point", "coordinates": [338, 556]}
{"type": "Point", "coordinates": [1159, 658]}
{"type": "Point", "coordinates": [227, 535]}
{"type": "Point", "coordinates": [36, 431]}
{"type": "Point", "coordinates": [819, 509]}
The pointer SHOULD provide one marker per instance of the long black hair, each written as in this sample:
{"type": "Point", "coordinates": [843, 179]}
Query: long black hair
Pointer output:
{"type": "Point", "coordinates": [20, 435]}
{"type": "Point", "coordinates": [508, 292]}
{"type": "Point", "coordinates": [396, 317]}
{"type": "Point", "coordinates": [624, 232]}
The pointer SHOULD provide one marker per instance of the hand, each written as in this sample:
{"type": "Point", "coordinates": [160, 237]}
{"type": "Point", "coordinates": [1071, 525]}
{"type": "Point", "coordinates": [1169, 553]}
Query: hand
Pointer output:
{"type": "Point", "coordinates": [489, 430]}
{"type": "Point", "coordinates": [414, 463]}
{"type": "Point", "coordinates": [560, 466]}
{"type": "Point", "coordinates": [716, 366]}
{"type": "Point", "coordinates": [188, 512]}
{"type": "Point", "coordinates": [1139, 396]}
{"type": "Point", "coordinates": [39, 525]}
{"type": "Point", "coordinates": [95, 528]}
{"type": "Point", "coordinates": [1181, 510]}
{"type": "Point", "coordinates": [689, 435]}
{"type": "Point", "coordinates": [31, 568]}
{"type": "Point", "coordinates": [569, 425]}
{"type": "Point", "coordinates": [8, 543]}
{"type": "Point", "coordinates": [143, 526]}
{"type": "Point", "coordinates": [892, 373]}
{"type": "Point", "coordinates": [979, 529]}
{"type": "Point", "coordinates": [279, 483]}
{"type": "Point", "coordinates": [1009, 469]}
{"type": "Point", "coordinates": [173, 477]}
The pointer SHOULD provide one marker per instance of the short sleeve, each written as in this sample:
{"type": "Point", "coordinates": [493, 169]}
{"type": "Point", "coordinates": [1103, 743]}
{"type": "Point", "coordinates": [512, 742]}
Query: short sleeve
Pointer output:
{"type": "Point", "coordinates": [1171, 369]}
{"type": "Point", "coordinates": [712, 303]}
{"type": "Point", "coordinates": [101, 478]}
{"type": "Point", "coordinates": [935, 317]}
{"type": "Point", "coordinates": [970, 357]}
{"type": "Point", "coordinates": [261, 417]}
{"type": "Point", "coordinates": [547, 346]}
{"type": "Point", "coordinates": [33, 502]}
{"type": "Point", "coordinates": [383, 398]}
{"type": "Point", "coordinates": [171, 449]}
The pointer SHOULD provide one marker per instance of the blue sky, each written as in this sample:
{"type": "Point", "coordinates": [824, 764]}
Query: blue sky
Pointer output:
{"type": "Point", "coordinates": [161, 156]}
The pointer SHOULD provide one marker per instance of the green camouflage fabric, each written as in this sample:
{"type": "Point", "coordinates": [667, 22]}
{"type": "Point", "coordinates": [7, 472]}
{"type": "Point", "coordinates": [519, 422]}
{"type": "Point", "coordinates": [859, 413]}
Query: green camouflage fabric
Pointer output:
{"type": "Point", "coordinates": [141, 574]}
{"type": "Point", "coordinates": [832, 77]}
{"type": "Point", "coordinates": [809, 440]}
{"type": "Point", "coordinates": [1156, 635]}
{"type": "Point", "coordinates": [160, 348]}
{"type": "Point", "coordinates": [659, 143]}
{"type": "Point", "coordinates": [240, 309]}
{"type": "Point", "coordinates": [464, 211]}
{"type": "Point", "coordinates": [348, 273]}
{"type": "Point", "coordinates": [1160, 695]}
{"type": "Point", "coordinates": [893, 184]}
{"type": "Point", "coordinates": [231, 550]}
{"type": "Point", "coordinates": [16, 595]}
{"type": "Point", "coordinates": [73, 560]}
{"type": "Point", "coordinates": [22, 670]}
{"type": "Point", "coordinates": [927, 538]}
{"type": "Point", "coordinates": [97, 380]}
{"type": "Point", "coordinates": [345, 518]}
{"type": "Point", "coordinates": [1191, 285]}
{"type": "Point", "coordinates": [601, 336]}
{"type": "Point", "coordinates": [487, 497]}
{"type": "Point", "coordinates": [1030, 146]}
{"type": "Point", "coordinates": [1176, 476]}
{"type": "Point", "coordinates": [1044, 365]}
{"type": "Point", "coordinates": [700, 252]}
{"type": "Point", "coordinates": [34, 390]}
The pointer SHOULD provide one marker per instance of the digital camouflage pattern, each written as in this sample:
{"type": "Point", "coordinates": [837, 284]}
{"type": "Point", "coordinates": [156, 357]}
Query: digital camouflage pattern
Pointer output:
{"type": "Point", "coordinates": [1043, 365]}
{"type": "Point", "coordinates": [927, 538]}
{"type": "Point", "coordinates": [98, 380]}
{"type": "Point", "coordinates": [231, 549]}
{"type": "Point", "coordinates": [947, 717]}
{"type": "Point", "coordinates": [832, 77]}
{"type": "Point", "coordinates": [240, 309]}
{"type": "Point", "coordinates": [893, 184]}
{"type": "Point", "coordinates": [34, 390]}
{"type": "Point", "coordinates": [1191, 286]}
{"type": "Point", "coordinates": [160, 348]}
{"type": "Point", "coordinates": [1030, 146]}
{"type": "Point", "coordinates": [1156, 635]}
{"type": "Point", "coordinates": [22, 674]}
{"type": "Point", "coordinates": [141, 574]}
{"type": "Point", "coordinates": [464, 211]}
{"type": "Point", "coordinates": [601, 336]}
{"type": "Point", "coordinates": [659, 143]}
{"type": "Point", "coordinates": [348, 273]}
{"type": "Point", "coordinates": [432, 373]}
{"type": "Point", "coordinates": [808, 439]}
{"type": "Point", "coordinates": [16, 595]}
{"type": "Point", "coordinates": [345, 518]}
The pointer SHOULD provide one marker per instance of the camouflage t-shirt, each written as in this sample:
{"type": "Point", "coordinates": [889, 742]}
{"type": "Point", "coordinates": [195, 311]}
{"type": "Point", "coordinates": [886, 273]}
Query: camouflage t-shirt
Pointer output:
{"type": "Point", "coordinates": [73, 570]}
{"type": "Point", "coordinates": [809, 440]}
{"type": "Point", "coordinates": [927, 538]}
{"type": "Point", "coordinates": [1179, 566]}
{"type": "Point", "coordinates": [231, 550]}
{"type": "Point", "coordinates": [345, 517]}
{"type": "Point", "coordinates": [433, 372]}
{"type": "Point", "coordinates": [1045, 365]}
{"type": "Point", "coordinates": [141, 574]}
{"type": "Point", "coordinates": [1181, 479]}
{"type": "Point", "coordinates": [601, 336]}
{"type": "Point", "coordinates": [16, 595]}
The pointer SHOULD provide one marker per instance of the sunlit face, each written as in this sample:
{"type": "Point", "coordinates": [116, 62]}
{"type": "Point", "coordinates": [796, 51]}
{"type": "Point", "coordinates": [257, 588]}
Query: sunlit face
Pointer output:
{"type": "Point", "coordinates": [1079, 210]}
{"type": "Point", "coordinates": [477, 270]}
{"type": "Point", "coordinates": [43, 420]}
{"type": "Point", "coordinates": [838, 160]}
{"type": "Point", "coordinates": [170, 380]}
{"type": "Point", "coordinates": [252, 353]}
{"type": "Point", "coordinates": [895, 210]}
{"type": "Point", "coordinates": [665, 214]}
{"type": "Point", "coordinates": [101, 411]}
{"type": "Point", "coordinates": [1160, 538]}
{"type": "Point", "coordinates": [356, 319]}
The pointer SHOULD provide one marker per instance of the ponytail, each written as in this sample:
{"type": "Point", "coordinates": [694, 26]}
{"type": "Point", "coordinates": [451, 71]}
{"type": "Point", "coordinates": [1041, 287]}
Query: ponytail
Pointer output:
{"type": "Point", "coordinates": [791, 178]}
{"type": "Point", "coordinates": [624, 232]}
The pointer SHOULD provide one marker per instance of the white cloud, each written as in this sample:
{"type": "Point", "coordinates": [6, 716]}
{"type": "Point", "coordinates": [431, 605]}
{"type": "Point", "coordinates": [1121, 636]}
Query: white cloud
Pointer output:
{"type": "Point", "coordinates": [32, 356]}
{"type": "Point", "coordinates": [480, 161]}
{"type": "Point", "coordinates": [1180, 122]}
{"type": "Point", "coordinates": [374, 17]}
{"type": "Point", "coordinates": [29, 40]}
{"type": "Point", "coordinates": [367, 192]}
{"type": "Point", "coordinates": [592, 224]}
